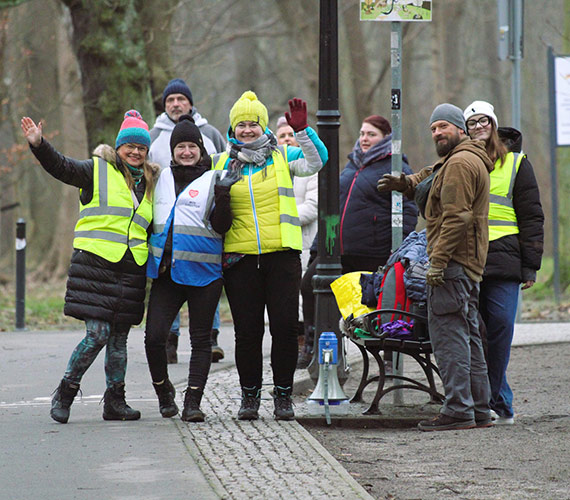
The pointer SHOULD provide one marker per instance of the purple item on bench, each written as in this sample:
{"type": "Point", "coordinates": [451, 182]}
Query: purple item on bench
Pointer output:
{"type": "Point", "coordinates": [399, 329]}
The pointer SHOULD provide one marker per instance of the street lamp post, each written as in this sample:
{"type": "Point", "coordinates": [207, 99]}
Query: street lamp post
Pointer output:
{"type": "Point", "coordinates": [328, 115]}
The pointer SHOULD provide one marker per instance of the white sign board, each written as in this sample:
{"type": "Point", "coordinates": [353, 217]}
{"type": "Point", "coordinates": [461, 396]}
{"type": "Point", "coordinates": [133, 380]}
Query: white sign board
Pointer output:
{"type": "Point", "coordinates": [395, 10]}
{"type": "Point", "coordinates": [562, 99]}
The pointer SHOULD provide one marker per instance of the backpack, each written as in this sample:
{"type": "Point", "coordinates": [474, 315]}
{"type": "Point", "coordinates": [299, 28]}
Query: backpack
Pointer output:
{"type": "Point", "coordinates": [393, 294]}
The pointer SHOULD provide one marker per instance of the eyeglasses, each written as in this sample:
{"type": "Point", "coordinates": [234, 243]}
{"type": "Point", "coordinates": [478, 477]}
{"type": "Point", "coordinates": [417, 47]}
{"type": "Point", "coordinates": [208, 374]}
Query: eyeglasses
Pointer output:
{"type": "Point", "coordinates": [132, 147]}
{"type": "Point", "coordinates": [483, 121]}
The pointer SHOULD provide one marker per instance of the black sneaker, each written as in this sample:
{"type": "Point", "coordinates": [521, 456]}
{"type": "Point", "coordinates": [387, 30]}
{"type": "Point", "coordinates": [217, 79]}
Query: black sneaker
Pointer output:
{"type": "Point", "coordinates": [446, 423]}
{"type": "Point", "coordinates": [283, 403]}
{"type": "Point", "coordinates": [250, 399]}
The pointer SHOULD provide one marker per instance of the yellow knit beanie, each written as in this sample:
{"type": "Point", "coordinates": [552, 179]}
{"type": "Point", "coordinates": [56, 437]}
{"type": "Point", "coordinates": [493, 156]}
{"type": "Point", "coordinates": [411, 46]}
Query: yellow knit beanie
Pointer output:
{"type": "Point", "coordinates": [248, 109]}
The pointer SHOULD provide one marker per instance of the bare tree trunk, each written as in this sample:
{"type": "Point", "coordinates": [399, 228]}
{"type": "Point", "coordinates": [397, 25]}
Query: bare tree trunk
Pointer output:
{"type": "Point", "coordinates": [74, 144]}
{"type": "Point", "coordinates": [156, 20]}
{"type": "Point", "coordinates": [359, 68]}
{"type": "Point", "coordinates": [108, 41]}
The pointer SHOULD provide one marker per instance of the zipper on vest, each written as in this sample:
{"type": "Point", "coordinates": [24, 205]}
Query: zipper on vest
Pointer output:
{"type": "Point", "coordinates": [258, 261]}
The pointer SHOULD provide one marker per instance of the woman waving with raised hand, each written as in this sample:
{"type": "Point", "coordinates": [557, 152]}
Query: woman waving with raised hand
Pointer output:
{"type": "Point", "coordinates": [262, 248]}
{"type": "Point", "coordinates": [107, 276]}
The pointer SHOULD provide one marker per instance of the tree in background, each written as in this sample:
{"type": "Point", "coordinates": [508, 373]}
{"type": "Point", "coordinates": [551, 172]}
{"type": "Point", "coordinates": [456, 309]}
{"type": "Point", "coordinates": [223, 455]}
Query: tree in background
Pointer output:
{"type": "Point", "coordinates": [124, 51]}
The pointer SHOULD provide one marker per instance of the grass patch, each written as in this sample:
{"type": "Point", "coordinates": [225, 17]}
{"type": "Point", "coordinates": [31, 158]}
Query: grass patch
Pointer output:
{"type": "Point", "coordinates": [44, 308]}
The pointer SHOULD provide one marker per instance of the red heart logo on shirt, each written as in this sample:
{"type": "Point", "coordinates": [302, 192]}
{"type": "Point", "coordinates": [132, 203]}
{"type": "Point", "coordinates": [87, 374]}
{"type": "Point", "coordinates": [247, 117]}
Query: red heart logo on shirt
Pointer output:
{"type": "Point", "coordinates": [193, 193]}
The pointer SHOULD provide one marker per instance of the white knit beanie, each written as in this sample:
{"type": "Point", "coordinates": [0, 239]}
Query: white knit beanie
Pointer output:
{"type": "Point", "coordinates": [481, 108]}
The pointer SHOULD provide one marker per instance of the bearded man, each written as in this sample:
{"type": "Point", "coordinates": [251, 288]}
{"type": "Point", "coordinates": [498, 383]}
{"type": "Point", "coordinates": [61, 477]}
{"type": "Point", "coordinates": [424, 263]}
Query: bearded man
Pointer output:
{"type": "Point", "coordinates": [453, 196]}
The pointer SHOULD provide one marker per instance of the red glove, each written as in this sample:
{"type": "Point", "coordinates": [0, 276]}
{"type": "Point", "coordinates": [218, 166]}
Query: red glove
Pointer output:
{"type": "Point", "coordinates": [297, 119]}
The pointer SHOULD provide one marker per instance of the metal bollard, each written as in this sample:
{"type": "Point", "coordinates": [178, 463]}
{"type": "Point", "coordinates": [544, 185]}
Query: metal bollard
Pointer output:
{"type": "Point", "coordinates": [21, 274]}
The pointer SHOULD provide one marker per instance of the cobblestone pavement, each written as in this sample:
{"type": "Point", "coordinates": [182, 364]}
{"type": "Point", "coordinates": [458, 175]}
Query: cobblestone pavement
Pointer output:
{"type": "Point", "coordinates": [263, 458]}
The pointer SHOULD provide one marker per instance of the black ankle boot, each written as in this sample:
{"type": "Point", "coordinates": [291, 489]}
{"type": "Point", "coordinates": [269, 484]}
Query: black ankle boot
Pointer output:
{"type": "Point", "coordinates": [172, 349]}
{"type": "Point", "coordinates": [283, 403]}
{"type": "Point", "coordinates": [192, 412]}
{"type": "Point", "coordinates": [217, 351]}
{"type": "Point", "coordinates": [62, 400]}
{"type": "Point", "coordinates": [115, 407]}
{"type": "Point", "coordinates": [166, 392]}
{"type": "Point", "coordinates": [250, 399]}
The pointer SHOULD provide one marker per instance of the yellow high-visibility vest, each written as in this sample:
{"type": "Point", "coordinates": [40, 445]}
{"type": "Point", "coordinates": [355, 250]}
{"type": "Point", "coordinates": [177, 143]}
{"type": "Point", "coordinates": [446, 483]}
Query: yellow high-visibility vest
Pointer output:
{"type": "Point", "coordinates": [109, 224]}
{"type": "Point", "coordinates": [253, 203]}
{"type": "Point", "coordinates": [502, 216]}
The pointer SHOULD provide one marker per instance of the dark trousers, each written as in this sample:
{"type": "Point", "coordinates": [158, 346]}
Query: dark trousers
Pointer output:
{"type": "Point", "coordinates": [457, 347]}
{"type": "Point", "coordinates": [166, 298]}
{"type": "Point", "coordinates": [253, 283]}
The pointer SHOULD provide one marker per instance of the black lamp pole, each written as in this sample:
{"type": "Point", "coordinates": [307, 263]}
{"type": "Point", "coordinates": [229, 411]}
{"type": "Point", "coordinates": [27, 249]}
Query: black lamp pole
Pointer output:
{"type": "Point", "coordinates": [328, 115]}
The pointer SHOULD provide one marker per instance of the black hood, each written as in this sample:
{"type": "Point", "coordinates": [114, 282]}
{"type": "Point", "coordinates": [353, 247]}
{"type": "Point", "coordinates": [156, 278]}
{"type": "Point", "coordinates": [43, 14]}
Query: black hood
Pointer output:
{"type": "Point", "coordinates": [511, 138]}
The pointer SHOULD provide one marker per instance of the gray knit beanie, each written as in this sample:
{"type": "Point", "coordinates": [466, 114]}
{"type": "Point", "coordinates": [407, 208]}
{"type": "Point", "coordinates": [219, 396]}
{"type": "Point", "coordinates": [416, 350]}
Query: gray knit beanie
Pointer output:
{"type": "Point", "coordinates": [449, 113]}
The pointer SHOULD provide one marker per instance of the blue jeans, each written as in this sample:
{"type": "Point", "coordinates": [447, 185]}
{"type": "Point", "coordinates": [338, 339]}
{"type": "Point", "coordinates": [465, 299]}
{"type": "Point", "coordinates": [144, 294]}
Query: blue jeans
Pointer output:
{"type": "Point", "coordinates": [175, 328]}
{"type": "Point", "coordinates": [498, 301]}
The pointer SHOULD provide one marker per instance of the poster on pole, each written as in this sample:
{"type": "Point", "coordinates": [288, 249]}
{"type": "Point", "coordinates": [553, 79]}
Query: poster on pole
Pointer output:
{"type": "Point", "coordinates": [395, 10]}
{"type": "Point", "coordinates": [562, 99]}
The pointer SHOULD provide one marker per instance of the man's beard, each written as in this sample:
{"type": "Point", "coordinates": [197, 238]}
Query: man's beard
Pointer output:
{"type": "Point", "coordinates": [445, 147]}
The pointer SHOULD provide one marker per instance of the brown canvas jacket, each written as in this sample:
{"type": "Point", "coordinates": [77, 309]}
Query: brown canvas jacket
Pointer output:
{"type": "Point", "coordinates": [457, 208]}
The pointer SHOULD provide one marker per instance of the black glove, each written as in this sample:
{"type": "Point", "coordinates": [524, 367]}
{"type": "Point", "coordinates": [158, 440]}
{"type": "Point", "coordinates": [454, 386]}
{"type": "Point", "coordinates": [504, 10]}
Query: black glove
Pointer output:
{"type": "Point", "coordinates": [392, 183]}
{"type": "Point", "coordinates": [229, 179]}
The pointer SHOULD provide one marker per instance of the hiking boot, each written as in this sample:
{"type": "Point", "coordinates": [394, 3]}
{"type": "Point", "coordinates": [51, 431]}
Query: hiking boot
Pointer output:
{"type": "Point", "coordinates": [62, 400]}
{"type": "Point", "coordinates": [498, 420]}
{"type": "Point", "coordinates": [217, 351]}
{"type": "Point", "coordinates": [192, 412]}
{"type": "Point", "coordinates": [283, 403]}
{"type": "Point", "coordinates": [304, 358]}
{"type": "Point", "coordinates": [115, 407]}
{"type": "Point", "coordinates": [171, 349]}
{"type": "Point", "coordinates": [250, 399]}
{"type": "Point", "coordinates": [483, 419]}
{"type": "Point", "coordinates": [446, 423]}
{"type": "Point", "coordinates": [166, 392]}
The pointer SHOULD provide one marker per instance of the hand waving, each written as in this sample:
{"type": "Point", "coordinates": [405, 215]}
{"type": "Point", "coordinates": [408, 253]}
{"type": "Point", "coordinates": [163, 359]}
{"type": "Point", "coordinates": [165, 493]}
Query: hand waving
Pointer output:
{"type": "Point", "coordinates": [297, 115]}
{"type": "Point", "coordinates": [32, 132]}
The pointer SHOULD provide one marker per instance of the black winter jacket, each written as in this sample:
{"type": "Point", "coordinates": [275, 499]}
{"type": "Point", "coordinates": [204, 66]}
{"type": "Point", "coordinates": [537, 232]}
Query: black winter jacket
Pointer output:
{"type": "Point", "coordinates": [97, 288]}
{"type": "Point", "coordinates": [365, 214]}
{"type": "Point", "coordinates": [517, 257]}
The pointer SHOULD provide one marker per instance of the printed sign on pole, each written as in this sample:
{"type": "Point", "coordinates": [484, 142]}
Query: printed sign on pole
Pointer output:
{"type": "Point", "coordinates": [395, 10]}
{"type": "Point", "coordinates": [562, 99]}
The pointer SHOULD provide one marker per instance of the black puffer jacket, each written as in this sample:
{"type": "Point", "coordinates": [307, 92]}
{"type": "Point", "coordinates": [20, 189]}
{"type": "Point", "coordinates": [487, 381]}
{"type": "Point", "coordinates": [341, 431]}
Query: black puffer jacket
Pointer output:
{"type": "Point", "coordinates": [517, 257]}
{"type": "Point", "coordinates": [365, 214]}
{"type": "Point", "coordinates": [97, 288]}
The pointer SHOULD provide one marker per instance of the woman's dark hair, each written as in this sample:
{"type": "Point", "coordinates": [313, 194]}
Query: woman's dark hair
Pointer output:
{"type": "Point", "coordinates": [379, 122]}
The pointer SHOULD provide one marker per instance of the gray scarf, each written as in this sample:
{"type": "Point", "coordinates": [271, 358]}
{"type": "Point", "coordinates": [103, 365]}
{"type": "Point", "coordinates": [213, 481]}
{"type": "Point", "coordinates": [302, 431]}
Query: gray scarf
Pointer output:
{"type": "Point", "coordinates": [255, 152]}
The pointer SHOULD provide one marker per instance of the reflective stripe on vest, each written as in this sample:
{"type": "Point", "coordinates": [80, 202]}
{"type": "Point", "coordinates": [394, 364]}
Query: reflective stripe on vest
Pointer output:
{"type": "Point", "coordinates": [196, 247]}
{"type": "Point", "coordinates": [502, 216]}
{"type": "Point", "coordinates": [289, 224]}
{"type": "Point", "coordinates": [108, 224]}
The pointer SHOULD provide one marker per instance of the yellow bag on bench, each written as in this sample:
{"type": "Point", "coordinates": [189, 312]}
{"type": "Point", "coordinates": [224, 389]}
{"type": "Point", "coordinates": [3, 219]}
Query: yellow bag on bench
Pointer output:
{"type": "Point", "coordinates": [348, 294]}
